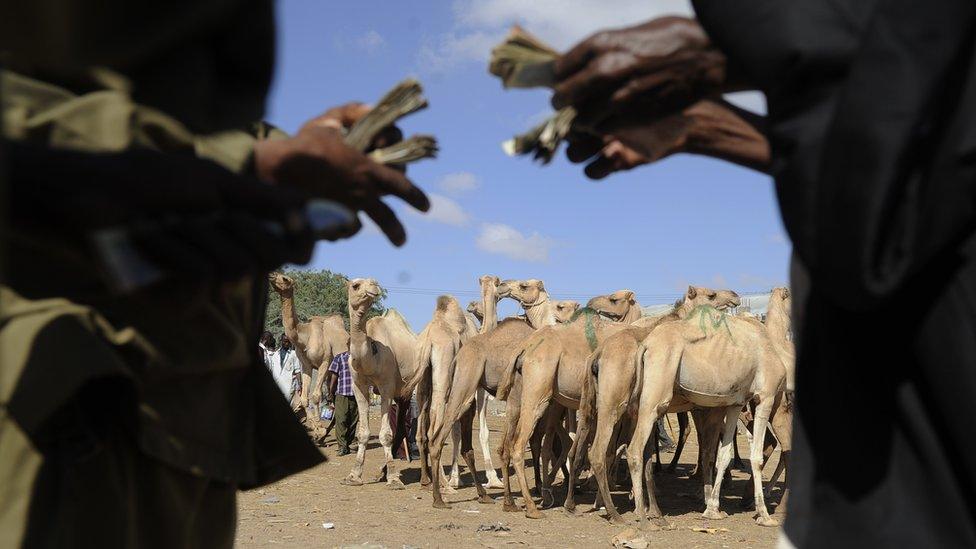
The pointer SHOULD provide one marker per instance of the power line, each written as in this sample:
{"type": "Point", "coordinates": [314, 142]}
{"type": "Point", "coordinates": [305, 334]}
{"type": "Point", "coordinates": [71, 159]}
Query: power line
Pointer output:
{"type": "Point", "coordinates": [559, 294]}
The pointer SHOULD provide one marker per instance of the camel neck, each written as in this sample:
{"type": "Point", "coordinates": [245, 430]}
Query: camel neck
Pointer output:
{"type": "Point", "coordinates": [289, 318]}
{"type": "Point", "coordinates": [540, 313]}
{"type": "Point", "coordinates": [357, 326]}
{"type": "Point", "coordinates": [777, 321]}
{"type": "Point", "coordinates": [489, 301]}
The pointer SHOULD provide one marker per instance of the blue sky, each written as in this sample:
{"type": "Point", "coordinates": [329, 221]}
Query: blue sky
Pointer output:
{"type": "Point", "coordinates": [654, 230]}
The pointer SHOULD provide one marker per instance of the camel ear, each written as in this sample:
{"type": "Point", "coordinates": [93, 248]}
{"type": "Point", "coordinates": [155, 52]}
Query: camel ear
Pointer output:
{"type": "Point", "coordinates": [497, 280]}
{"type": "Point", "coordinates": [692, 292]}
{"type": "Point", "coordinates": [786, 293]}
{"type": "Point", "coordinates": [629, 296]}
{"type": "Point", "coordinates": [540, 284]}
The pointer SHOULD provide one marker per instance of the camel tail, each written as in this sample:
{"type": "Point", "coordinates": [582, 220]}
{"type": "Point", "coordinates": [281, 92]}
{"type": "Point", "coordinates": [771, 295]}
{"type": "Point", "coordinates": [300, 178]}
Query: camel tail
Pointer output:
{"type": "Point", "coordinates": [588, 395]}
{"type": "Point", "coordinates": [508, 378]}
{"type": "Point", "coordinates": [638, 371]}
{"type": "Point", "coordinates": [421, 368]}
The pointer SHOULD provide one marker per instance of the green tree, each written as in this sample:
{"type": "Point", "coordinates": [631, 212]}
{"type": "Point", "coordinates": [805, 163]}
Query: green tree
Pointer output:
{"type": "Point", "coordinates": [317, 293]}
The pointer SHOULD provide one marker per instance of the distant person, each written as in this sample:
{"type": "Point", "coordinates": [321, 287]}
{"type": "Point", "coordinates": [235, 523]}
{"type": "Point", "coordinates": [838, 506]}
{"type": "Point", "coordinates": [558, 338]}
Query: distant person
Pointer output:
{"type": "Point", "coordinates": [340, 392]}
{"type": "Point", "coordinates": [870, 140]}
{"type": "Point", "coordinates": [289, 363]}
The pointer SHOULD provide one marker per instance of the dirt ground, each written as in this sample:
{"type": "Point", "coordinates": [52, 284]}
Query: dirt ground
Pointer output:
{"type": "Point", "coordinates": [313, 510]}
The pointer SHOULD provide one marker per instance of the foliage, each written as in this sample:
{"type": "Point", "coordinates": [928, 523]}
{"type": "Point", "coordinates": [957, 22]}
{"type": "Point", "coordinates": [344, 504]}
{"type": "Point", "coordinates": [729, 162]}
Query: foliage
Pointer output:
{"type": "Point", "coordinates": [317, 293]}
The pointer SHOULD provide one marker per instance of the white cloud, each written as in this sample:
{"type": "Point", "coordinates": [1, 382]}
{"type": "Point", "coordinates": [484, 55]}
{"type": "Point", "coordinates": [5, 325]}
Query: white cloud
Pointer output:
{"type": "Point", "coordinates": [444, 210]}
{"type": "Point", "coordinates": [459, 182]}
{"type": "Point", "coordinates": [498, 238]}
{"type": "Point", "coordinates": [370, 42]}
{"type": "Point", "coordinates": [480, 24]}
{"type": "Point", "coordinates": [754, 101]}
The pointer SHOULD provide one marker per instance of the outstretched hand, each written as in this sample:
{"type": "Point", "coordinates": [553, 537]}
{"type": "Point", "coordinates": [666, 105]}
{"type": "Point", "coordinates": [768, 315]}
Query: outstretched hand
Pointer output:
{"type": "Point", "coordinates": [652, 68]}
{"type": "Point", "coordinates": [318, 161]}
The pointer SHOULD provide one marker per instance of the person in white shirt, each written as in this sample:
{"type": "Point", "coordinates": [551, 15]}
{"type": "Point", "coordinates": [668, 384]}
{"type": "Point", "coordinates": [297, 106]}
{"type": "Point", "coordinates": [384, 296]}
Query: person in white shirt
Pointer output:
{"type": "Point", "coordinates": [290, 370]}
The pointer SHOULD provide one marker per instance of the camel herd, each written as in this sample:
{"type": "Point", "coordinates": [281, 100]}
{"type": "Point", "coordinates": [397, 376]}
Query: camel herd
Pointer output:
{"type": "Point", "coordinates": [580, 385]}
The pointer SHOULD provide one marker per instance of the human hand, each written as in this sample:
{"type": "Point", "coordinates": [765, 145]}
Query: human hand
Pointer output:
{"type": "Point", "coordinates": [318, 161]}
{"type": "Point", "coordinates": [708, 127]}
{"type": "Point", "coordinates": [652, 68]}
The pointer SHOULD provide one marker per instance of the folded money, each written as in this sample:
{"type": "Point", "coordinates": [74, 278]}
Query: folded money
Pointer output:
{"type": "Point", "coordinates": [409, 150]}
{"type": "Point", "coordinates": [405, 98]}
{"type": "Point", "coordinates": [524, 61]}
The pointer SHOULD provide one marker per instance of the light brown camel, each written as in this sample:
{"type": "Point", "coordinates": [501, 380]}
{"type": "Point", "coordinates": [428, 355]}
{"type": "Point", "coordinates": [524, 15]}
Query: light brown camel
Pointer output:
{"type": "Point", "coordinates": [382, 354]}
{"type": "Point", "coordinates": [551, 364]}
{"type": "Point", "coordinates": [565, 310]}
{"type": "Point", "coordinates": [437, 346]}
{"type": "Point", "coordinates": [478, 310]}
{"type": "Point", "coordinates": [610, 394]}
{"type": "Point", "coordinates": [479, 366]}
{"type": "Point", "coordinates": [316, 342]}
{"type": "Point", "coordinates": [621, 306]}
{"type": "Point", "coordinates": [707, 360]}
{"type": "Point", "coordinates": [489, 302]}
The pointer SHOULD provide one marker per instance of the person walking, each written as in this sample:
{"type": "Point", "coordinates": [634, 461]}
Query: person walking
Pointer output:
{"type": "Point", "coordinates": [339, 392]}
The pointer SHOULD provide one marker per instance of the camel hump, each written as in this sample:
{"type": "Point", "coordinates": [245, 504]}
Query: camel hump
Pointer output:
{"type": "Point", "coordinates": [445, 303]}
{"type": "Point", "coordinates": [395, 315]}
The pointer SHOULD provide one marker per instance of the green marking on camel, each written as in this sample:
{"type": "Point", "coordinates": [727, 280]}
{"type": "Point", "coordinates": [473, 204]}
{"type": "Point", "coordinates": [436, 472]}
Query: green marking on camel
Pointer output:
{"type": "Point", "coordinates": [710, 315]}
{"type": "Point", "coordinates": [589, 330]}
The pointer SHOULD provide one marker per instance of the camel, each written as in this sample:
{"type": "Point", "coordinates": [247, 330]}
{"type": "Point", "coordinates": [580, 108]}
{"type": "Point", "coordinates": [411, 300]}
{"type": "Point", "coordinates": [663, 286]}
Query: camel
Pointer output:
{"type": "Point", "coordinates": [489, 302]}
{"type": "Point", "coordinates": [316, 341]}
{"type": "Point", "coordinates": [478, 310]}
{"type": "Point", "coordinates": [437, 345]}
{"type": "Point", "coordinates": [479, 366]}
{"type": "Point", "coordinates": [708, 360]}
{"type": "Point", "coordinates": [610, 390]}
{"type": "Point", "coordinates": [620, 306]}
{"type": "Point", "coordinates": [382, 354]}
{"type": "Point", "coordinates": [565, 310]}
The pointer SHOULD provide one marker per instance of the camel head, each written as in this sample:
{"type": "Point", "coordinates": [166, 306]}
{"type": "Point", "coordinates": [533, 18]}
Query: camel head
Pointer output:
{"type": "Point", "coordinates": [281, 283]}
{"type": "Point", "coordinates": [720, 299]}
{"type": "Point", "coordinates": [616, 306]}
{"type": "Point", "coordinates": [477, 309]}
{"type": "Point", "coordinates": [782, 297]}
{"type": "Point", "coordinates": [362, 292]}
{"type": "Point", "coordinates": [565, 310]}
{"type": "Point", "coordinates": [489, 284]}
{"type": "Point", "coordinates": [527, 292]}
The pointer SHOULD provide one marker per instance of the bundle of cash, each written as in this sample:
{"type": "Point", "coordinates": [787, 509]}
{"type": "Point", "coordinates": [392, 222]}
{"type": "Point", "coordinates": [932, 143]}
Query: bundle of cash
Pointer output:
{"type": "Point", "coordinates": [405, 98]}
{"type": "Point", "coordinates": [409, 150]}
{"type": "Point", "coordinates": [524, 61]}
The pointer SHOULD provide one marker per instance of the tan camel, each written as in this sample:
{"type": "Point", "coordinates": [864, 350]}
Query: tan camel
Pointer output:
{"type": "Point", "coordinates": [489, 302]}
{"type": "Point", "coordinates": [610, 391]}
{"type": "Point", "coordinates": [707, 360]}
{"type": "Point", "coordinates": [437, 346]}
{"type": "Point", "coordinates": [382, 354]}
{"type": "Point", "coordinates": [479, 366]}
{"type": "Point", "coordinates": [478, 310]}
{"type": "Point", "coordinates": [316, 341]}
{"type": "Point", "coordinates": [551, 364]}
{"type": "Point", "coordinates": [565, 310]}
{"type": "Point", "coordinates": [621, 306]}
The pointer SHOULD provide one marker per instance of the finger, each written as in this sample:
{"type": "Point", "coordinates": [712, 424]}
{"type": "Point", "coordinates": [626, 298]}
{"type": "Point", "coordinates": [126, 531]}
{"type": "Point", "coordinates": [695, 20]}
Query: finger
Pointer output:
{"type": "Point", "coordinates": [387, 221]}
{"type": "Point", "coordinates": [577, 87]}
{"type": "Point", "coordinates": [575, 59]}
{"type": "Point", "coordinates": [600, 168]}
{"type": "Point", "coordinates": [582, 146]}
{"type": "Point", "coordinates": [393, 182]}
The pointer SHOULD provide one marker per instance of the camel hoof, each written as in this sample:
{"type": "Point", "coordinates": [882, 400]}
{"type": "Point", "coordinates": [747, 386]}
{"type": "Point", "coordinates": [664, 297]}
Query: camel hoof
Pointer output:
{"type": "Point", "coordinates": [661, 523]}
{"type": "Point", "coordinates": [441, 505]}
{"type": "Point", "coordinates": [425, 482]}
{"type": "Point", "coordinates": [485, 499]}
{"type": "Point", "coordinates": [394, 484]}
{"type": "Point", "coordinates": [616, 520]}
{"type": "Point", "coordinates": [714, 514]}
{"type": "Point", "coordinates": [493, 483]}
{"type": "Point", "coordinates": [534, 514]}
{"type": "Point", "coordinates": [510, 508]}
{"type": "Point", "coordinates": [766, 521]}
{"type": "Point", "coordinates": [547, 499]}
{"type": "Point", "coordinates": [351, 481]}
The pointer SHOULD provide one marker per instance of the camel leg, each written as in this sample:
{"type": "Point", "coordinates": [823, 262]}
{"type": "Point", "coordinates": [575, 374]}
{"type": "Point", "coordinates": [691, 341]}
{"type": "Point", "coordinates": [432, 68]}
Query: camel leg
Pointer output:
{"type": "Point", "coordinates": [683, 432]}
{"type": "Point", "coordinates": [455, 479]}
{"type": "Point", "coordinates": [361, 392]}
{"type": "Point", "coordinates": [481, 402]}
{"type": "Point", "coordinates": [386, 439]}
{"type": "Point", "coordinates": [507, 451]}
{"type": "Point", "coordinates": [577, 452]}
{"type": "Point", "coordinates": [467, 452]}
{"type": "Point", "coordinates": [724, 457]}
{"type": "Point", "coordinates": [535, 449]}
{"type": "Point", "coordinates": [646, 417]}
{"type": "Point", "coordinates": [598, 461]}
{"type": "Point", "coordinates": [423, 430]}
{"type": "Point", "coordinates": [553, 433]}
{"type": "Point", "coordinates": [758, 437]}
{"type": "Point", "coordinates": [532, 412]}
{"type": "Point", "coordinates": [708, 423]}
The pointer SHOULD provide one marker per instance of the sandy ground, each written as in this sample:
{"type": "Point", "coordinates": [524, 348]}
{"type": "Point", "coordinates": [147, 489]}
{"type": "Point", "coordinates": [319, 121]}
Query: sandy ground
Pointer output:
{"type": "Point", "coordinates": [291, 513]}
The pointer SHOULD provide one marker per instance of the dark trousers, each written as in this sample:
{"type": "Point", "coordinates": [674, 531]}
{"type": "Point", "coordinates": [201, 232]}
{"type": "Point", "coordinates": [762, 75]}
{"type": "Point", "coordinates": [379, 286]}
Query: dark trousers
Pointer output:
{"type": "Point", "coordinates": [346, 421]}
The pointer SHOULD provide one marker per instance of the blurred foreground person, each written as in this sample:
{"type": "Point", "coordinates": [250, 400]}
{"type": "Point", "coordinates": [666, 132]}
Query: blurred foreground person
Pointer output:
{"type": "Point", "coordinates": [147, 201]}
{"type": "Point", "coordinates": [871, 107]}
